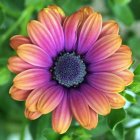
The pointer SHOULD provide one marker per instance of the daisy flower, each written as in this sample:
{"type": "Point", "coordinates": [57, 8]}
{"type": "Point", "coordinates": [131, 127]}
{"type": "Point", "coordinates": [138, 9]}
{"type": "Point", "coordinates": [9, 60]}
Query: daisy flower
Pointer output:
{"type": "Point", "coordinates": [73, 66]}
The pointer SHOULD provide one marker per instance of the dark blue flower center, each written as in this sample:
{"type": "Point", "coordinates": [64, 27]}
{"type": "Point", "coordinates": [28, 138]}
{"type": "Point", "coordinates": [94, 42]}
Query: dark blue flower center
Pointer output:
{"type": "Point", "coordinates": [69, 70]}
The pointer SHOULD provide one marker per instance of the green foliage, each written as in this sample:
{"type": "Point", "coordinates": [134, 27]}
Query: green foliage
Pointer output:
{"type": "Point", "coordinates": [122, 2]}
{"type": "Point", "coordinates": [135, 86]}
{"type": "Point", "coordinates": [73, 5]}
{"type": "Point", "coordinates": [134, 43]}
{"type": "Point", "coordinates": [120, 10]}
{"type": "Point", "coordinates": [115, 118]}
{"type": "Point", "coordinates": [135, 5]}
{"type": "Point", "coordinates": [129, 97]}
{"type": "Point", "coordinates": [5, 76]}
{"type": "Point", "coordinates": [41, 129]}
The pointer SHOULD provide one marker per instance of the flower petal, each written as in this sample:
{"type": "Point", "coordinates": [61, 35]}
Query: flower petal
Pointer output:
{"type": "Point", "coordinates": [33, 98]}
{"type": "Point", "coordinates": [86, 11]}
{"type": "Point", "coordinates": [116, 100]}
{"type": "Point", "coordinates": [96, 100]}
{"type": "Point", "coordinates": [72, 26]}
{"type": "Point", "coordinates": [31, 79]}
{"type": "Point", "coordinates": [17, 65]}
{"type": "Point", "coordinates": [58, 11]}
{"type": "Point", "coordinates": [62, 116]}
{"type": "Point", "coordinates": [34, 55]}
{"type": "Point", "coordinates": [18, 40]}
{"type": "Point", "coordinates": [50, 99]}
{"type": "Point", "coordinates": [93, 119]}
{"type": "Point", "coordinates": [124, 49]}
{"type": "Point", "coordinates": [53, 24]}
{"type": "Point", "coordinates": [18, 94]}
{"type": "Point", "coordinates": [32, 115]}
{"type": "Point", "coordinates": [103, 48]}
{"type": "Point", "coordinates": [42, 37]}
{"type": "Point", "coordinates": [106, 82]}
{"type": "Point", "coordinates": [89, 32]}
{"type": "Point", "coordinates": [116, 62]}
{"type": "Point", "coordinates": [109, 27]}
{"type": "Point", "coordinates": [79, 108]}
{"type": "Point", "coordinates": [126, 75]}
{"type": "Point", "coordinates": [71, 30]}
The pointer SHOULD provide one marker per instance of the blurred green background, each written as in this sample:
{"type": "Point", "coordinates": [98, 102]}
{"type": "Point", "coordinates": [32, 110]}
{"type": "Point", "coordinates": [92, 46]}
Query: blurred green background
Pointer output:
{"type": "Point", "coordinates": [122, 124]}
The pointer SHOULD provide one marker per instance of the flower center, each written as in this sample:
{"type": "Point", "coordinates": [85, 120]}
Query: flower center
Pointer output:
{"type": "Point", "coordinates": [69, 70]}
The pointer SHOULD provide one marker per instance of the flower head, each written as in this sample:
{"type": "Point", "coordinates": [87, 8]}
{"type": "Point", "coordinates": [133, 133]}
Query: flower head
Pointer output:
{"type": "Point", "coordinates": [72, 65]}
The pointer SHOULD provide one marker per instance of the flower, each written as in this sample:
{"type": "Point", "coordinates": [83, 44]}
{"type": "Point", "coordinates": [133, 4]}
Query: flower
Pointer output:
{"type": "Point", "coordinates": [72, 65]}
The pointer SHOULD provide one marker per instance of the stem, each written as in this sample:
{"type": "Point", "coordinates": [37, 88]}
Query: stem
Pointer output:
{"type": "Point", "coordinates": [17, 23]}
{"type": "Point", "coordinates": [22, 135]}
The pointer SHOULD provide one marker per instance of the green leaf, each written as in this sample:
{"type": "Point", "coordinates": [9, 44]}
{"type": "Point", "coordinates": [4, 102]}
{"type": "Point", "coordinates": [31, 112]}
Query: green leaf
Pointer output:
{"type": "Point", "coordinates": [66, 138]}
{"type": "Point", "coordinates": [41, 129]}
{"type": "Point", "coordinates": [122, 2]}
{"type": "Point", "coordinates": [130, 135]}
{"type": "Point", "coordinates": [130, 98]}
{"type": "Point", "coordinates": [30, 2]}
{"type": "Point", "coordinates": [135, 87]}
{"type": "Point", "coordinates": [81, 134]}
{"type": "Point", "coordinates": [50, 134]}
{"type": "Point", "coordinates": [1, 16]}
{"type": "Point", "coordinates": [102, 125]}
{"type": "Point", "coordinates": [115, 118]}
{"type": "Point", "coordinates": [134, 111]}
{"type": "Point", "coordinates": [4, 76]}
{"type": "Point", "coordinates": [119, 132]}
{"type": "Point", "coordinates": [134, 44]}
{"type": "Point", "coordinates": [122, 12]}
{"type": "Point", "coordinates": [7, 7]}
{"type": "Point", "coordinates": [137, 78]}
{"type": "Point", "coordinates": [135, 5]}
{"type": "Point", "coordinates": [137, 70]}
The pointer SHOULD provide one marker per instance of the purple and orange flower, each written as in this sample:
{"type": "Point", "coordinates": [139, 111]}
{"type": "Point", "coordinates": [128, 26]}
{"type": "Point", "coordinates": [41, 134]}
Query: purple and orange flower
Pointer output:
{"type": "Point", "coordinates": [72, 65]}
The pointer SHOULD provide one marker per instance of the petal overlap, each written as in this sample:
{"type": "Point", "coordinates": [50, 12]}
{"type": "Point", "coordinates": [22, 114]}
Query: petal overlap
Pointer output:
{"type": "Point", "coordinates": [19, 94]}
{"type": "Point", "coordinates": [18, 40]}
{"type": "Point", "coordinates": [62, 116]}
{"type": "Point", "coordinates": [50, 99]}
{"type": "Point", "coordinates": [107, 82]}
{"type": "Point", "coordinates": [89, 32]}
{"type": "Point", "coordinates": [93, 119]}
{"type": "Point", "coordinates": [31, 79]}
{"type": "Point", "coordinates": [53, 24]}
{"type": "Point", "coordinates": [127, 76]}
{"type": "Point", "coordinates": [79, 108]}
{"type": "Point", "coordinates": [112, 63]}
{"type": "Point", "coordinates": [71, 26]}
{"type": "Point", "coordinates": [103, 48]}
{"type": "Point", "coordinates": [17, 65]}
{"type": "Point", "coordinates": [96, 100]}
{"type": "Point", "coordinates": [41, 37]}
{"type": "Point", "coordinates": [34, 55]}
{"type": "Point", "coordinates": [32, 115]}
{"type": "Point", "coordinates": [116, 100]}
{"type": "Point", "coordinates": [109, 27]}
